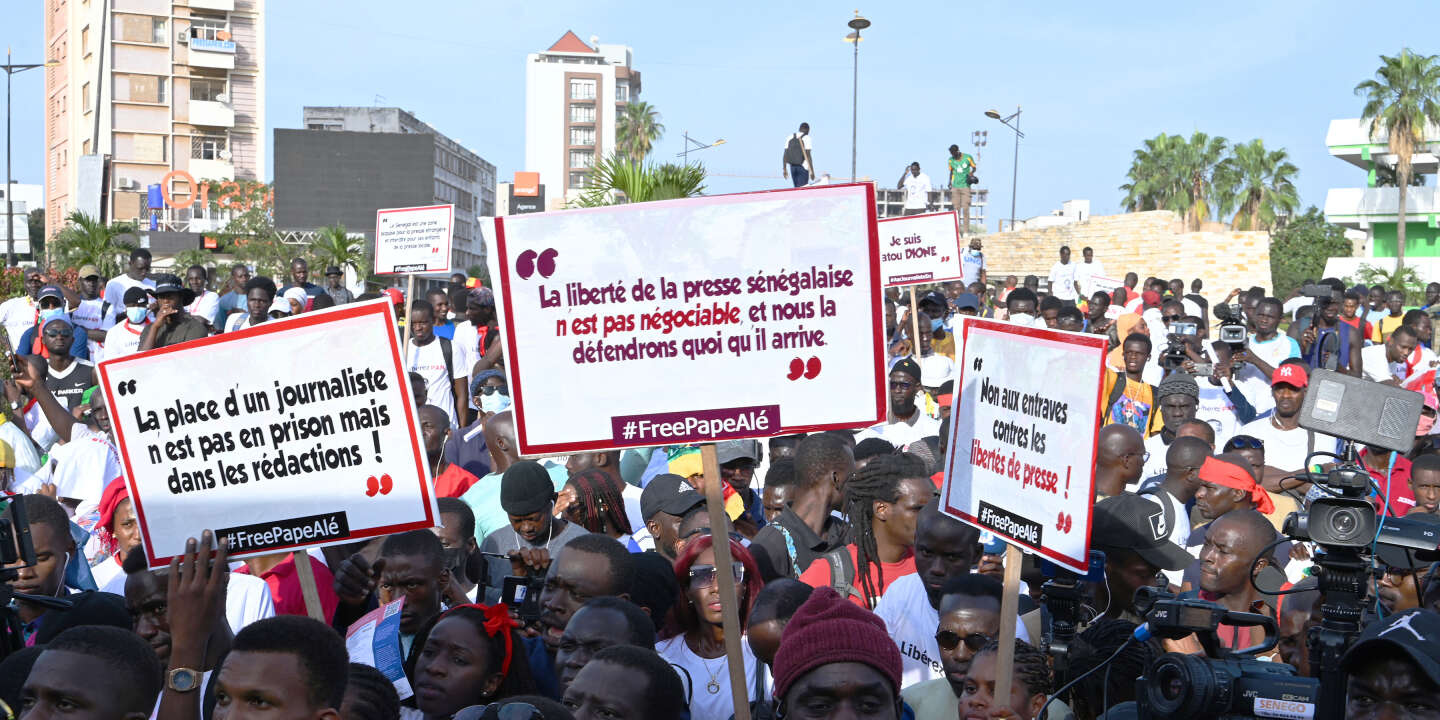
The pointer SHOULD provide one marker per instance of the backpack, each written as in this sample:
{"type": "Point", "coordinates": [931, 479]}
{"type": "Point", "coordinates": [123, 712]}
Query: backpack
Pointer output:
{"type": "Point", "coordinates": [842, 573]}
{"type": "Point", "coordinates": [446, 350]}
{"type": "Point", "coordinates": [795, 150]}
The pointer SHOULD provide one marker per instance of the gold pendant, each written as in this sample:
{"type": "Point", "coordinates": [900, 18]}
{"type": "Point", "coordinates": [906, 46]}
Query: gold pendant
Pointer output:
{"type": "Point", "coordinates": [712, 686]}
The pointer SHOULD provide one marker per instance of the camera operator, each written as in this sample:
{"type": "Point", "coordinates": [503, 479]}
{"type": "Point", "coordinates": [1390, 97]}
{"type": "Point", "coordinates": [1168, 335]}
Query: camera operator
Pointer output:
{"type": "Point", "coordinates": [1394, 670]}
{"type": "Point", "coordinates": [1267, 348]}
{"type": "Point", "coordinates": [1233, 542]}
{"type": "Point", "coordinates": [1131, 531]}
{"type": "Point", "coordinates": [1329, 343]}
{"type": "Point", "coordinates": [534, 534]}
{"type": "Point", "coordinates": [1224, 402]}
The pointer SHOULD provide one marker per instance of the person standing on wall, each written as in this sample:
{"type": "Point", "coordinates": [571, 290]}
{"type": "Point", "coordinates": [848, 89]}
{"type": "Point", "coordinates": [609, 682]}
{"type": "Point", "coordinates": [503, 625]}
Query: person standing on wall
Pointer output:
{"type": "Point", "coordinates": [962, 174]}
{"type": "Point", "coordinates": [916, 185]}
{"type": "Point", "coordinates": [798, 165]}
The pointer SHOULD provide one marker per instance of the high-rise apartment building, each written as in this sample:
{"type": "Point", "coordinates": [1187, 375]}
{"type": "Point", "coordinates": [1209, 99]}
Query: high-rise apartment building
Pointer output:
{"type": "Point", "coordinates": [172, 92]}
{"type": "Point", "coordinates": [573, 95]}
{"type": "Point", "coordinates": [462, 178]}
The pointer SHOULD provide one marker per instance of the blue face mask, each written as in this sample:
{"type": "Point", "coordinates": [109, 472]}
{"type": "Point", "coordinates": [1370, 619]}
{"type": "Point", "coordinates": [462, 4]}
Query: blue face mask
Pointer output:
{"type": "Point", "coordinates": [51, 314]}
{"type": "Point", "coordinates": [136, 315]}
{"type": "Point", "coordinates": [936, 323]}
{"type": "Point", "coordinates": [974, 252]}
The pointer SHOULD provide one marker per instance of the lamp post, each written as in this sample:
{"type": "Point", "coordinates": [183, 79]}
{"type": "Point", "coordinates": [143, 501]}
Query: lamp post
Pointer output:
{"type": "Point", "coordinates": [856, 24]}
{"type": "Point", "coordinates": [10, 69]}
{"type": "Point", "coordinates": [698, 147]}
{"type": "Point", "coordinates": [1014, 171]}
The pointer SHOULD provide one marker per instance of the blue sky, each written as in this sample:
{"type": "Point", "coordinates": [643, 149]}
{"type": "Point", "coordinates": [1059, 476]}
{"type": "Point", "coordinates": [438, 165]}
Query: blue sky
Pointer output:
{"type": "Point", "coordinates": [1094, 79]}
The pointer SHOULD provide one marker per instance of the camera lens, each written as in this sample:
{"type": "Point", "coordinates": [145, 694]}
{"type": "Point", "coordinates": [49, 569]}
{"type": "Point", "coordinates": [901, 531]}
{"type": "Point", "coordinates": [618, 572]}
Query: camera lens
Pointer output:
{"type": "Point", "coordinates": [1343, 524]}
{"type": "Point", "coordinates": [1180, 687]}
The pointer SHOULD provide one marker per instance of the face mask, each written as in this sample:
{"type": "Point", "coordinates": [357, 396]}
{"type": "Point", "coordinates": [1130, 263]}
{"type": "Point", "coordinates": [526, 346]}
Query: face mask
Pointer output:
{"type": "Point", "coordinates": [1426, 425]}
{"type": "Point", "coordinates": [974, 252]}
{"type": "Point", "coordinates": [51, 314]}
{"type": "Point", "coordinates": [136, 315]}
{"type": "Point", "coordinates": [494, 402]}
{"type": "Point", "coordinates": [935, 324]}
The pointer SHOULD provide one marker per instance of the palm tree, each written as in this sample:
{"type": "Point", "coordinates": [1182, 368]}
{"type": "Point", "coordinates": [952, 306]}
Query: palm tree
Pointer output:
{"type": "Point", "coordinates": [1402, 98]}
{"type": "Point", "coordinates": [615, 176]}
{"type": "Point", "coordinates": [1199, 160]}
{"type": "Point", "coordinates": [334, 246]}
{"type": "Point", "coordinates": [86, 241]}
{"type": "Point", "coordinates": [636, 130]}
{"type": "Point", "coordinates": [1259, 184]}
{"type": "Point", "coordinates": [1172, 173]}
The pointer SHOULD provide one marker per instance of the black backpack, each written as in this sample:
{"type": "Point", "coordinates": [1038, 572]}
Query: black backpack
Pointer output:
{"type": "Point", "coordinates": [795, 150]}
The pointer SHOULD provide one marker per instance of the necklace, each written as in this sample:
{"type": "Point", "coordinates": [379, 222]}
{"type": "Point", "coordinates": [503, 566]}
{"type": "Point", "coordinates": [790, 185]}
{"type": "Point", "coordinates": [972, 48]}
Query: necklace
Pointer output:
{"type": "Point", "coordinates": [712, 687]}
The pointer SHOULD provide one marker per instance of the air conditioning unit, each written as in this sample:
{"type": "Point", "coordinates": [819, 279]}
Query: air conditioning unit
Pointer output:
{"type": "Point", "coordinates": [125, 183]}
{"type": "Point", "coordinates": [182, 37]}
{"type": "Point", "coordinates": [225, 155]}
{"type": "Point", "coordinates": [223, 98]}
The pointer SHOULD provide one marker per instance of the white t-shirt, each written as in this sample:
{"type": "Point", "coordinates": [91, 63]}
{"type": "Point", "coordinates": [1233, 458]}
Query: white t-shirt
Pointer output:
{"type": "Point", "coordinates": [704, 704]}
{"type": "Point", "coordinates": [89, 315]}
{"type": "Point", "coordinates": [911, 622]}
{"type": "Point", "coordinates": [901, 434]}
{"type": "Point", "coordinates": [1286, 449]}
{"type": "Point", "coordinates": [17, 315]}
{"type": "Point", "coordinates": [429, 361]}
{"type": "Point", "coordinates": [247, 598]}
{"type": "Point", "coordinates": [115, 289]}
{"type": "Point", "coordinates": [1062, 280]}
{"type": "Point", "coordinates": [971, 263]}
{"type": "Point", "coordinates": [1155, 467]}
{"type": "Point", "coordinates": [206, 307]}
{"type": "Point", "coordinates": [122, 340]}
{"type": "Point", "coordinates": [1217, 409]}
{"type": "Point", "coordinates": [1378, 366]}
{"type": "Point", "coordinates": [27, 458]}
{"type": "Point", "coordinates": [1274, 351]}
{"type": "Point", "coordinates": [466, 348]}
{"type": "Point", "coordinates": [1085, 274]}
{"type": "Point", "coordinates": [917, 191]}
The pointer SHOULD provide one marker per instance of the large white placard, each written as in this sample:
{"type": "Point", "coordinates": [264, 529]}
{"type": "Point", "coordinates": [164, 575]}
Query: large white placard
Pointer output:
{"type": "Point", "coordinates": [918, 249]}
{"type": "Point", "coordinates": [413, 240]}
{"type": "Point", "coordinates": [1023, 426]}
{"type": "Point", "coordinates": [290, 434]}
{"type": "Point", "coordinates": [692, 320]}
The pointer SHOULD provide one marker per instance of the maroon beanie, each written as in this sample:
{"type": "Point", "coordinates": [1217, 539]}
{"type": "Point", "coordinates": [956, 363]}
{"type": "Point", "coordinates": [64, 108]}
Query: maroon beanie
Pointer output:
{"type": "Point", "coordinates": [831, 629]}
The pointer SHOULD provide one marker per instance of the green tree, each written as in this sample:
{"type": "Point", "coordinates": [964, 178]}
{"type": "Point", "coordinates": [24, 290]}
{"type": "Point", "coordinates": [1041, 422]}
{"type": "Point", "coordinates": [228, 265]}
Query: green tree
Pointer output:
{"type": "Point", "coordinates": [615, 179]}
{"type": "Point", "coordinates": [1259, 184]}
{"type": "Point", "coordinates": [478, 270]}
{"type": "Point", "coordinates": [636, 130]}
{"type": "Point", "coordinates": [1298, 251]}
{"type": "Point", "coordinates": [1170, 172]}
{"type": "Point", "coordinates": [1400, 100]}
{"type": "Point", "coordinates": [1385, 177]}
{"type": "Point", "coordinates": [334, 246]}
{"type": "Point", "coordinates": [1153, 183]}
{"type": "Point", "coordinates": [86, 241]}
{"type": "Point", "coordinates": [251, 237]}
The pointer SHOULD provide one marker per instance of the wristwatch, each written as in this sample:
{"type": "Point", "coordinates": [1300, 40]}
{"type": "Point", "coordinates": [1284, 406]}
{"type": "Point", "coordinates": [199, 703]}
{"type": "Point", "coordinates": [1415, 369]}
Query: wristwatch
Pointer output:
{"type": "Point", "coordinates": [183, 680]}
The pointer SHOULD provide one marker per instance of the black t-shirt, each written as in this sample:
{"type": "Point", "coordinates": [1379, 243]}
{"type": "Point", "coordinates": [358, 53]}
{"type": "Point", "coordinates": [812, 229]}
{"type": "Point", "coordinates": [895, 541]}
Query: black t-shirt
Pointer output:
{"type": "Point", "coordinates": [772, 553]}
{"type": "Point", "coordinates": [69, 385]}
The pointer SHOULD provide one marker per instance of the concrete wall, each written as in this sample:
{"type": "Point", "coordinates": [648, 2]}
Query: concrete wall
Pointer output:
{"type": "Point", "coordinates": [1147, 243]}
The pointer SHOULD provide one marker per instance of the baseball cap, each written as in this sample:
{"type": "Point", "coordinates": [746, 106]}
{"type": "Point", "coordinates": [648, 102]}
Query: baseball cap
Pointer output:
{"type": "Point", "coordinates": [51, 291]}
{"type": "Point", "coordinates": [88, 271]}
{"type": "Point", "coordinates": [1291, 374]}
{"type": "Point", "coordinates": [935, 370]}
{"type": "Point", "coordinates": [280, 305]}
{"type": "Point", "coordinates": [1412, 633]}
{"type": "Point", "coordinates": [1130, 522]}
{"type": "Point", "coordinates": [668, 493]}
{"type": "Point", "coordinates": [967, 301]}
{"type": "Point", "coordinates": [135, 295]}
{"type": "Point", "coordinates": [396, 297]}
{"type": "Point", "coordinates": [732, 450]}
{"type": "Point", "coordinates": [333, 270]}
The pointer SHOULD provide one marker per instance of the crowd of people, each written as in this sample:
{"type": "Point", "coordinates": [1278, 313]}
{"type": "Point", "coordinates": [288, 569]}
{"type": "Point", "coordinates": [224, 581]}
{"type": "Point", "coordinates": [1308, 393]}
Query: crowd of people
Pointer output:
{"type": "Point", "coordinates": [589, 586]}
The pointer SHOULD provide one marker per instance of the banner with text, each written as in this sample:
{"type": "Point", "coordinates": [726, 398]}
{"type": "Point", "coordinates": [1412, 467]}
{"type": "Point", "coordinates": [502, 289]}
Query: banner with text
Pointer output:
{"type": "Point", "coordinates": [413, 240]}
{"type": "Point", "coordinates": [290, 434]}
{"type": "Point", "coordinates": [920, 249]}
{"type": "Point", "coordinates": [684, 321]}
{"type": "Point", "coordinates": [1022, 437]}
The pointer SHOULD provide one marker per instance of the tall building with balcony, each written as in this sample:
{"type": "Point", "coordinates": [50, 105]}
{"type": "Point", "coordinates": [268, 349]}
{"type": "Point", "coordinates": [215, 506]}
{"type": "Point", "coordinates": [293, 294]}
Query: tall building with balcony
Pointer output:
{"type": "Point", "coordinates": [154, 87]}
{"type": "Point", "coordinates": [569, 111]}
{"type": "Point", "coordinates": [462, 178]}
{"type": "Point", "coordinates": [1371, 213]}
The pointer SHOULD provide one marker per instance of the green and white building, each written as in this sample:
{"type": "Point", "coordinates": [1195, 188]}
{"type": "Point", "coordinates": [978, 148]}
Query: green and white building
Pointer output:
{"type": "Point", "coordinates": [1370, 213]}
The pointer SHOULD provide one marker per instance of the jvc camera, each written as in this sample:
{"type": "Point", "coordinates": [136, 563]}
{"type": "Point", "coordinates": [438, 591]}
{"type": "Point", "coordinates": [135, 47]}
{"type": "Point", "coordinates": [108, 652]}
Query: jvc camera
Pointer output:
{"type": "Point", "coordinates": [1232, 325]}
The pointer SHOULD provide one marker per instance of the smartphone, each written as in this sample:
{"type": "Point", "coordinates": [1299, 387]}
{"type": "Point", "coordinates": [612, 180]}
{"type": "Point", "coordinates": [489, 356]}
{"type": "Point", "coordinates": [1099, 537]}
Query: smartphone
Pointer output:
{"type": "Point", "coordinates": [523, 594]}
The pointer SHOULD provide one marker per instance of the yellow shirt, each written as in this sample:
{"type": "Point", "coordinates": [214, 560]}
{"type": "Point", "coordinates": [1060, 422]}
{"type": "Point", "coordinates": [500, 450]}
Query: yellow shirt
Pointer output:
{"type": "Point", "coordinates": [1134, 407]}
{"type": "Point", "coordinates": [1388, 325]}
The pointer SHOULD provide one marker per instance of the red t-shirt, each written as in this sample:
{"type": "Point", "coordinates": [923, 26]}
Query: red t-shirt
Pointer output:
{"type": "Point", "coordinates": [818, 574]}
{"type": "Point", "coordinates": [1401, 499]}
{"type": "Point", "coordinates": [285, 589]}
{"type": "Point", "coordinates": [454, 481]}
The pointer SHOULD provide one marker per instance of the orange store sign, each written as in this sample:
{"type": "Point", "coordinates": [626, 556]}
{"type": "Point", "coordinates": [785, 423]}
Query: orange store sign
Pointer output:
{"type": "Point", "coordinates": [232, 195]}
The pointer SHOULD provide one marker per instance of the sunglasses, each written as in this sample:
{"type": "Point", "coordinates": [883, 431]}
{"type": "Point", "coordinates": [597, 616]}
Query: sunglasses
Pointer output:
{"type": "Point", "coordinates": [703, 576]}
{"type": "Point", "coordinates": [902, 385]}
{"type": "Point", "coordinates": [1172, 318]}
{"type": "Point", "coordinates": [1244, 442]}
{"type": "Point", "coordinates": [491, 390]}
{"type": "Point", "coordinates": [948, 640]}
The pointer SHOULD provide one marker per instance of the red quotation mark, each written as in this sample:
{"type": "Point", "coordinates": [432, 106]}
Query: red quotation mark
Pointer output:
{"type": "Point", "coordinates": [382, 486]}
{"type": "Point", "coordinates": [530, 263]}
{"type": "Point", "coordinates": [1065, 522]}
{"type": "Point", "coordinates": [800, 368]}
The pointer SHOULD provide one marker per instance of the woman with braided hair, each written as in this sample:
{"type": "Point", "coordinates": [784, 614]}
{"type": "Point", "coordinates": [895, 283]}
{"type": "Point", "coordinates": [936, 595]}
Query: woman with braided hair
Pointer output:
{"type": "Point", "coordinates": [1029, 684]}
{"type": "Point", "coordinates": [593, 500]}
{"type": "Point", "coordinates": [883, 500]}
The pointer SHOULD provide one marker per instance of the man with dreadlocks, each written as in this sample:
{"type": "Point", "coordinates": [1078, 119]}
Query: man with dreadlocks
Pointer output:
{"type": "Point", "coordinates": [882, 501]}
{"type": "Point", "coordinates": [594, 500]}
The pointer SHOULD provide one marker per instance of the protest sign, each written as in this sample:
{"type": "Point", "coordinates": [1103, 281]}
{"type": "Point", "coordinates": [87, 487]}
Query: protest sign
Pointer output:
{"type": "Point", "coordinates": [290, 434]}
{"type": "Point", "coordinates": [1099, 283]}
{"type": "Point", "coordinates": [685, 321]}
{"type": "Point", "coordinates": [920, 249]}
{"type": "Point", "coordinates": [374, 640]}
{"type": "Point", "coordinates": [413, 240]}
{"type": "Point", "coordinates": [1023, 425]}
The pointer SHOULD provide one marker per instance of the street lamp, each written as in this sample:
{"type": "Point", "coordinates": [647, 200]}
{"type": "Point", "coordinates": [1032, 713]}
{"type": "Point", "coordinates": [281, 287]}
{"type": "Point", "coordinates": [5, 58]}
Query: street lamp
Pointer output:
{"type": "Point", "coordinates": [698, 146]}
{"type": "Point", "coordinates": [1015, 171]}
{"type": "Point", "coordinates": [857, 24]}
{"type": "Point", "coordinates": [10, 69]}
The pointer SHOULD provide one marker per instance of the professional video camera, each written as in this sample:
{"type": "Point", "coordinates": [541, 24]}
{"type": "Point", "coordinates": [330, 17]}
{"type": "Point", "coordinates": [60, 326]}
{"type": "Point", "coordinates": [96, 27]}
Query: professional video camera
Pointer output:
{"type": "Point", "coordinates": [1232, 330]}
{"type": "Point", "coordinates": [1224, 683]}
{"type": "Point", "coordinates": [17, 550]}
{"type": "Point", "coordinates": [1174, 354]}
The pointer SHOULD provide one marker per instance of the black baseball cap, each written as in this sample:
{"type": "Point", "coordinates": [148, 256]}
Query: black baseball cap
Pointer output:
{"type": "Point", "coordinates": [1130, 522]}
{"type": "Point", "coordinates": [333, 270]}
{"type": "Point", "coordinates": [670, 494]}
{"type": "Point", "coordinates": [1412, 633]}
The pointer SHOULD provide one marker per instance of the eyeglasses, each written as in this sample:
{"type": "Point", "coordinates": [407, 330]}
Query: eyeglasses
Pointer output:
{"type": "Point", "coordinates": [948, 640]}
{"type": "Point", "coordinates": [901, 384]}
{"type": "Point", "coordinates": [492, 389]}
{"type": "Point", "coordinates": [1171, 318]}
{"type": "Point", "coordinates": [1244, 442]}
{"type": "Point", "coordinates": [703, 576]}
{"type": "Point", "coordinates": [1144, 455]}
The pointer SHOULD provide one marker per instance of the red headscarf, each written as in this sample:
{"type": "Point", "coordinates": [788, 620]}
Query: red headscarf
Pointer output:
{"type": "Point", "coordinates": [1219, 472]}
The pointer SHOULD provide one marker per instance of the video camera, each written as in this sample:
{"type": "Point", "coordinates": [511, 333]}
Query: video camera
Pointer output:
{"type": "Point", "coordinates": [17, 551]}
{"type": "Point", "coordinates": [1232, 330]}
{"type": "Point", "coordinates": [1224, 683]}
{"type": "Point", "coordinates": [1174, 355]}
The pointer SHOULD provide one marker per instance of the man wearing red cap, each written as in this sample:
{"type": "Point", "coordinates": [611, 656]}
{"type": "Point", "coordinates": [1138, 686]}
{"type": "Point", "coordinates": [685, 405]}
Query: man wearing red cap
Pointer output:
{"type": "Point", "coordinates": [1288, 446]}
{"type": "Point", "coordinates": [832, 650]}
